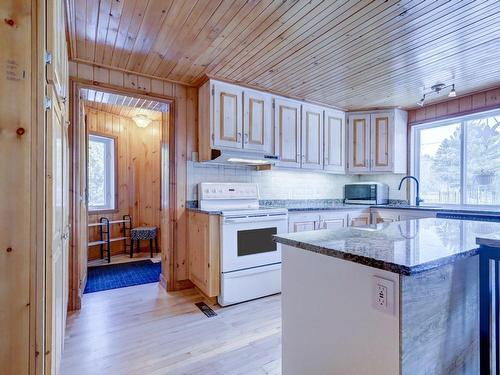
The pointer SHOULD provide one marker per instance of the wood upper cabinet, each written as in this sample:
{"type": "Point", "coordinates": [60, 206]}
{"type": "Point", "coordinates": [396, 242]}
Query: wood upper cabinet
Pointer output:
{"type": "Point", "coordinates": [288, 132]}
{"type": "Point", "coordinates": [312, 137]}
{"type": "Point", "coordinates": [334, 141]}
{"type": "Point", "coordinates": [359, 143]}
{"type": "Point", "coordinates": [377, 142]}
{"type": "Point", "coordinates": [257, 121]}
{"type": "Point", "coordinates": [228, 116]}
{"type": "Point", "coordinates": [204, 252]}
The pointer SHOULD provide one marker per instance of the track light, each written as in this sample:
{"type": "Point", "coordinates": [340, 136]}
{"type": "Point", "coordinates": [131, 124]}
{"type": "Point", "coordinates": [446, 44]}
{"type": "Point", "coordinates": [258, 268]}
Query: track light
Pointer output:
{"type": "Point", "coordinates": [452, 93]}
{"type": "Point", "coordinates": [436, 89]}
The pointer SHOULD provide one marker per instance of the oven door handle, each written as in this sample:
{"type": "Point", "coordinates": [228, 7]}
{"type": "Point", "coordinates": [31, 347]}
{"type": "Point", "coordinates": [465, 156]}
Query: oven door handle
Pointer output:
{"type": "Point", "coordinates": [254, 219]}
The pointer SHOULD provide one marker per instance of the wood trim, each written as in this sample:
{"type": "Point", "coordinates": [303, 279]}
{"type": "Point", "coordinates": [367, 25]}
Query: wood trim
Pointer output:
{"type": "Point", "coordinates": [117, 177]}
{"type": "Point", "coordinates": [355, 142]}
{"type": "Point", "coordinates": [461, 106]}
{"type": "Point", "coordinates": [377, 141]}
{"type": "Point", "coordinates": [128, 71]}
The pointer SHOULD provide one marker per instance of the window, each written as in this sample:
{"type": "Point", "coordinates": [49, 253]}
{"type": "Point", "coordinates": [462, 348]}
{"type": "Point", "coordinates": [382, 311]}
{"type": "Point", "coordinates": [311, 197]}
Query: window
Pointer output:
{"type": "Point", "coordinates": [101, 172]}
{"type": "Point", "coordinates": [458, 161]}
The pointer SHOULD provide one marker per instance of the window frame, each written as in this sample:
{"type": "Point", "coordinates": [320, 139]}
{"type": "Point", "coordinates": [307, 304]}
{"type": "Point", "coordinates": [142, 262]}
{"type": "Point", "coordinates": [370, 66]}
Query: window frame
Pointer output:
{"type": "Point", "coordinates": [415, 156]}
{"type": "Point", "coordinates": [113, 196]}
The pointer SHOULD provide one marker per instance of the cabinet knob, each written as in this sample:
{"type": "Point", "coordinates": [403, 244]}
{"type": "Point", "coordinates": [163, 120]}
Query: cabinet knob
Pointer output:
{"type": "Point", "coordinates": [246, 138]}
{"type": "Point", "coordinates": [238, 137]}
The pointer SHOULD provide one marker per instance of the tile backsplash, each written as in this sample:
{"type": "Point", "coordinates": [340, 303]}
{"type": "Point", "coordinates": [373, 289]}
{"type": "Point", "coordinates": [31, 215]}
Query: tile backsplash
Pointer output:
{"type": "Point", "coordinates": [284, 183]}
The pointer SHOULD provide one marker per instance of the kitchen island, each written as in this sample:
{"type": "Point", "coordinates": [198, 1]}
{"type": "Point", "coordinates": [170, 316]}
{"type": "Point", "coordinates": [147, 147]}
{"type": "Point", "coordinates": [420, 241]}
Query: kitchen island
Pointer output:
{"type": "Point", "coordinates": [390, 298]}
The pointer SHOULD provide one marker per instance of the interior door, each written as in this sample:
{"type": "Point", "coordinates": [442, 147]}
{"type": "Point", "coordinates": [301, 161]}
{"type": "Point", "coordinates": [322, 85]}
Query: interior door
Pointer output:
{"type": "Point", "coordinates": [359, 143]}
{"type": "Point", "coordinates": [228, 116]}
{"type": "Point", "coordinates": [257, 122]}
{"type": "Point", "coordinates": [334, 154]}
{"type": "Point", "coordinates": [312, 137]}
{"type": "Point", "coordinates": [287, 127]}
{"type": "Point", "coordinates": [83, 197]}
{"type": "Point", "coordinates": [57, 233]}
{"type": "Point", "coordinates": [381, 141]}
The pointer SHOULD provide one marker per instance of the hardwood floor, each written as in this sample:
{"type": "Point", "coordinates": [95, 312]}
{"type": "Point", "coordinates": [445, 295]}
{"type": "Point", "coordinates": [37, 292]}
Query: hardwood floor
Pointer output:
{"type": "Point", "coordinates": [143, 330]}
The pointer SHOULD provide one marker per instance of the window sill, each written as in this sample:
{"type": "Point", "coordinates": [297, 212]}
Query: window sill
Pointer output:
{"type": "Point", "coordinates": [103, 211]}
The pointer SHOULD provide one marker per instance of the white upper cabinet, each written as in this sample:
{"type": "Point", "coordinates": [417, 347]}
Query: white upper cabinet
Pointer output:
{"type": "Point", "coordinates": [288, 132]}
{"type": "Point", "coordinates": [334, 141]}
{"type": "Point", "coordinates": [377, 142]}
{"type": "Point", "coordinates": [359, 143]}
{"type": "Point", "coordinates": [257, 121]}
{"type": "Point", "coordinates": [312, 137]}
{"type": "Point", "coordinates": [228, 116]}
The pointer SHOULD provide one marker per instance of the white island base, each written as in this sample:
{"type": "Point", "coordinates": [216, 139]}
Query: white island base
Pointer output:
{"type": "Point", "coordinates": [330, 324]}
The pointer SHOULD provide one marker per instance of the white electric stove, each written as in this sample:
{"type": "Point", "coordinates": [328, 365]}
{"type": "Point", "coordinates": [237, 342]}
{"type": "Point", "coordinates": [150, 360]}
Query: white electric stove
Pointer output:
{"type": "Point", "coordinates": [250, 259]}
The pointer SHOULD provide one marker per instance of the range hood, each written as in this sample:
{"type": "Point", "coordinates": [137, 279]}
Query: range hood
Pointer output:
{"type": "Point", "coordinates": [240, 158]}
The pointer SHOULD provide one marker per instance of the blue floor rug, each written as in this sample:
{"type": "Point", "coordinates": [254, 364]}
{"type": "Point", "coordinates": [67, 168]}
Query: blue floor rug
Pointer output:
{"type": "Point", "coordinates": [122, 275]}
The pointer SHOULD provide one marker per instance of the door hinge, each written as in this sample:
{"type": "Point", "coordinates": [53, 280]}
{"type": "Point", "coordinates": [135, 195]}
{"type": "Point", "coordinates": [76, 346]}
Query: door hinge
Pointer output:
{"type": "Point", "coordinates": [47, 103]}
{"type": "Point", "coordinates": [47, 57]}
{"type": "Point", "coordinates": [213, 91]}
{"type": "Point", "coordinates": [273, 105]}
{"type": "Point", "coordinates": [213, 137]}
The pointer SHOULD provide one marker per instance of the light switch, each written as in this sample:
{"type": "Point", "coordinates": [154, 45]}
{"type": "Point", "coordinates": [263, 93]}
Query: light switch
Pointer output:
{"type": "Point", "coordinates": [383, 295]}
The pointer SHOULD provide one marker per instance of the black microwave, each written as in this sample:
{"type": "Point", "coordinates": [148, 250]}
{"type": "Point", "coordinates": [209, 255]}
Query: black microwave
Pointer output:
{"type": "Point", "coordinates": [366, 193]}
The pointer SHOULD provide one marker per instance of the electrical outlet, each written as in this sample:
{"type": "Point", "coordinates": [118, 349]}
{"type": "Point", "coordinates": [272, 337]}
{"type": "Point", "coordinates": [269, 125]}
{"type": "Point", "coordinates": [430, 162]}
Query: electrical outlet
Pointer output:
{"type": "Point", "coordinates": [383, 295]}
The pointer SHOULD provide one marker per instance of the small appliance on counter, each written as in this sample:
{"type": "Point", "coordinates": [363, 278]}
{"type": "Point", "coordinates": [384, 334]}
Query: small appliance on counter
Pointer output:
{"type": "Point", "coordinates": [366, 193]}
{"type": "Point", "coordinates": [250, 260]}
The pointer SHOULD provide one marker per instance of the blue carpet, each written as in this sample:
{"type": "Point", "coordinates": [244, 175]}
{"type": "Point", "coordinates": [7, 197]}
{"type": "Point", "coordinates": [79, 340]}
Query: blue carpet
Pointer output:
{"type": "Point", "coordinates": [122, 275]}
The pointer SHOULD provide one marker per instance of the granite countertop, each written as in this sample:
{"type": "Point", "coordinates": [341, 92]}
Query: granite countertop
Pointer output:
{"type": "Point", "coordinates": [405, 247]}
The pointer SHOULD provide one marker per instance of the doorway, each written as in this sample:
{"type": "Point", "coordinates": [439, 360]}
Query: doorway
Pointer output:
{"type": "Point", "coordinates": [124, 179]}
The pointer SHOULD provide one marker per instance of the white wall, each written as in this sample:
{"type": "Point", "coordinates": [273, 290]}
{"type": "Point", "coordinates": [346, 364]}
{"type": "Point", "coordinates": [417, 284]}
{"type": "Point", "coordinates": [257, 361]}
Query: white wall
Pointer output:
{"type": "Point", "coordinates": [284, 183]}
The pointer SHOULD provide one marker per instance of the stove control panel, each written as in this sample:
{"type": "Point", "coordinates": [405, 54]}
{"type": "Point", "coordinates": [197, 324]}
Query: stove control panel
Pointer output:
{"type": "Point", "coordinates": [227, 190]}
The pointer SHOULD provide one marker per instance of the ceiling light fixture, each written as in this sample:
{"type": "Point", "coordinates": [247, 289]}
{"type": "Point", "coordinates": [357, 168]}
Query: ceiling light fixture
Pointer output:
{"type": "Point", "coordinates": [142, 121]}
{"type": "Point", "coordinates": [436, 89]}
{"type": "Point", "coordinates": [452, 93]}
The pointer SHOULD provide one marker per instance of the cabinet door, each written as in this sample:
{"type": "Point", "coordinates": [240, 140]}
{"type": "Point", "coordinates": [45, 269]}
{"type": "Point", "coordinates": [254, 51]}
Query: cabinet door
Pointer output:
{"type": "Point", "coordinates": [204, 250]}
{"type": "Point", "coordinates": [312, 137]}
{"type": "Point", "coordinates": [57, 70]}
{"type": "Point", "coordinates": [257, 122]}
{"type": "Point", "coordinates": [384, 217]}
{"type": "Point", "coordinates": [303, 222]}
{"type": "Point", "coordinates": [228, 116]}
{"type": "Point", "coordinates": [334, 151]}
{"type": "Point", "coordinates": [333, 220]}
{"type": "Point", "coordinates": [57, 267]}
{"type": "Point", "coordinates": [287, 124]}
{"type": "Point", "coordinates": [359, 218]}
{"type": "Point", "coordinates": [382, 134]}
{"type": "Point", "coordinates": [359, 143]}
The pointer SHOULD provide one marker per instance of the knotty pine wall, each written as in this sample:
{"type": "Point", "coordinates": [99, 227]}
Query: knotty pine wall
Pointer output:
{"type": "Point", "coordinates": [138, 175]}
{"type": "Point", "coordinates": [462, 105]}
{"type": "Point", "coordinates": [185, 109]}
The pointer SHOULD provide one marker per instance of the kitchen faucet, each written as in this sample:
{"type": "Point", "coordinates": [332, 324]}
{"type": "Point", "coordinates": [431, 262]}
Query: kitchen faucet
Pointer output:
{"type": "Point", "coordinates": [417, 198]}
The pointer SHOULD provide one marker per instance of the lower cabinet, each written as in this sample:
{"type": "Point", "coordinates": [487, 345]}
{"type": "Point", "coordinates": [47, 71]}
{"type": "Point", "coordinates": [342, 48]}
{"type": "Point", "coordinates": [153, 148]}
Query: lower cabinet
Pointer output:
{"type": "Point", "coordinates": [357, 219]}
{"type": "Point", "coordinates": [380, 215]}
{"type": "Point", "coordinates": [203, 242]}
{"type": "Point", "coordinates": [313, 220]}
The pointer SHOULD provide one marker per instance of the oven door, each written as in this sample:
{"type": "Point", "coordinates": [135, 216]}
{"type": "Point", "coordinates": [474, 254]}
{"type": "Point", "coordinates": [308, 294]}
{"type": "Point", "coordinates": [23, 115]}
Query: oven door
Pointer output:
{"type": "Point", "coordinates": [247, 242]}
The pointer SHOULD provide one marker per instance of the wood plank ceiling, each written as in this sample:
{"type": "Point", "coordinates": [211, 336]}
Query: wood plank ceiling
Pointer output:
{"type": "Point", "coordinates": [123, 105]}
{"type": "Point", "coordinates": [350, 54]}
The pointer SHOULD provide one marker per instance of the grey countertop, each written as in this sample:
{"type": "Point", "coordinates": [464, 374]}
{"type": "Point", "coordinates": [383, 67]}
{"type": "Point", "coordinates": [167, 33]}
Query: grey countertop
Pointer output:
{"type": "Point", "coordinates": [405, 247]}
